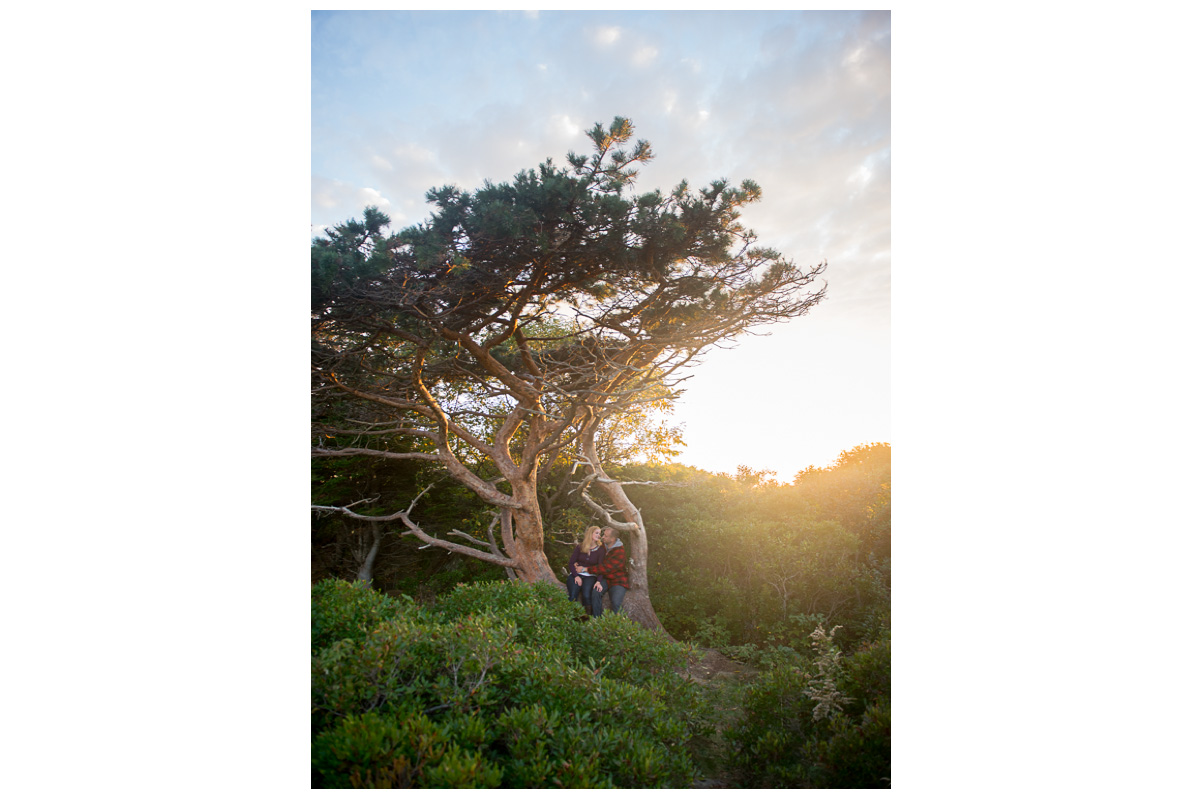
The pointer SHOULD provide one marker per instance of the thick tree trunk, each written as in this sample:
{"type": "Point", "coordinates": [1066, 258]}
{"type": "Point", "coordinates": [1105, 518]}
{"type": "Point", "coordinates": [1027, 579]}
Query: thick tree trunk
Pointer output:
{"type": "Point", "coordinates": [525, 543]}
{"type": "Point", "coordinates": [632, 532]}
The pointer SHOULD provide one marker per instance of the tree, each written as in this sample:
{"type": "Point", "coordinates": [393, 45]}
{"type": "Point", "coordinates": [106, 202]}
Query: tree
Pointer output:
{"type": "Point", "coordinates": [522, 321]}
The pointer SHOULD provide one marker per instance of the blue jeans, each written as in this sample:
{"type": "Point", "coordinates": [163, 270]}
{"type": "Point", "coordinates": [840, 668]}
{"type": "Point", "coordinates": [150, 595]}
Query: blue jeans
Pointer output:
{"type": "Point", "coordinates": [581, 593]}
{"type": "Point", "coordinates": [615, 593]}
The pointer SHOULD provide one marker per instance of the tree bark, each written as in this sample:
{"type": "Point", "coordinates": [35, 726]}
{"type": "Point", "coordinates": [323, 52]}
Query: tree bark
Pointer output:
{"type": "Point", "coordinates": [366, 568]}
{"type": "Point", "coordinates": [631, 531]}
{"type": "Point", "coordinates": [524, 542]}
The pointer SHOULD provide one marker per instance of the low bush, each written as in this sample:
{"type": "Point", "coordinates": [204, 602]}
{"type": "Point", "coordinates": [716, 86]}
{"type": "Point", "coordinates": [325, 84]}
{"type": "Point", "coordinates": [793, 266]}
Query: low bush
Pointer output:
{"type": "Point", "coordinates": [823, 724]}
{"type": "Point", "coordinates": [342, 610]}
{"type": "Point", "coordinates": [501, 685]}
{"type": "Point", "coordinates": [398, 751]}
{"type": "Point", "coordinates": [868, 673]}
{"type": "Point", "coordinates": [857, 754]}
{"type": "Point", "coordinates": [617, 648]}
{"type": "Point", "coordinates": [777, 719]}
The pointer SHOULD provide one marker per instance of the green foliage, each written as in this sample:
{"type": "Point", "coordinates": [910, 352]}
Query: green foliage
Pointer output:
{"type": "Point", "coordinates": [502, 685]}
{"type": "Point", "coordinates": [743, 560]}
{"type": "Point", "coordinates": [623, 650]}
{"type": "Point", "coordinates": [507, 599]}
{"type": "Point", "coordinates": [868, 672]}
{"type": "Point", "coordinates": [778, 718]}
{"type": "Point", "coordinates": [822, 724]}
{"type": "Point", "coordinates": [342, 610]}
{"type": "Point", "coordinates": [522, 690]}
{"type": "Point", "coordinates": [380, 751]}
{"type": "Point", "coordinates": [348, 254]}
{"type": "Point", "coordinates": [856, 755]}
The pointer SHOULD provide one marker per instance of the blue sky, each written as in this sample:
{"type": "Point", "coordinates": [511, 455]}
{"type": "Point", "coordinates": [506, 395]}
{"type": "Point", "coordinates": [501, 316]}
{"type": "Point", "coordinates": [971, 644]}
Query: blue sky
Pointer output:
{"type": "Point", "coordinates": [798, 101]}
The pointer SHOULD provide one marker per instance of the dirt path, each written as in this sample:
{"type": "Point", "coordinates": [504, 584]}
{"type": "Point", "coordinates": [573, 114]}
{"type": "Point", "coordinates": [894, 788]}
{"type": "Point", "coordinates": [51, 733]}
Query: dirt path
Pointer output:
{"type": "Point", "coordinates": [712, 664]}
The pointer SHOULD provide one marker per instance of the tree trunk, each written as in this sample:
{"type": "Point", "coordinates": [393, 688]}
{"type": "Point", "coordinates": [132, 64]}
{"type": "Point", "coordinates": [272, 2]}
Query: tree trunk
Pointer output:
{"type": "Point", "coordinates": [632, 533]}
{"type": "Point", "coordinates": [524, 539]}
{"type": "Point", "coordinates": [366, 568]}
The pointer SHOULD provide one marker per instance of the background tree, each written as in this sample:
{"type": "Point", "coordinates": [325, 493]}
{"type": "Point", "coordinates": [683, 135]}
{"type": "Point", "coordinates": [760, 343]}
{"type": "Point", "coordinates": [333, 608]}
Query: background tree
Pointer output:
{"type": "Point", "coordinates": [739, 561]}
{"type": "Point", "coordinates": [523, 318]}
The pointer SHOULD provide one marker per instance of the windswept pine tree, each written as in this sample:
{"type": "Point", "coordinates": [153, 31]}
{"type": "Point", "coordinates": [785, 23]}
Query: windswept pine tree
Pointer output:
{"type": "Point", "coordinates": [521, 319]}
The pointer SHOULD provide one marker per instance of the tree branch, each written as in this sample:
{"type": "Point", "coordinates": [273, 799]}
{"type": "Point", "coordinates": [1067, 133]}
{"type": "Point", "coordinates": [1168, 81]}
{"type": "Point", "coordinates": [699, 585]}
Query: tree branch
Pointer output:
{"type": "Point", "coordinates": [415, 530]}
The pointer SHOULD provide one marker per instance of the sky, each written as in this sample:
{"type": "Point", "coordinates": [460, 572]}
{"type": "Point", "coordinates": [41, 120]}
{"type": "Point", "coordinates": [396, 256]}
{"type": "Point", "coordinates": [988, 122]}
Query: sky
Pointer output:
{"type": "Point", "coordinates": [800, 102]}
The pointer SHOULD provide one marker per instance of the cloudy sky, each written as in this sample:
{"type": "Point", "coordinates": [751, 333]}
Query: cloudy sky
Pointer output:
{"type": "Point", "coordinates": [798, 101]}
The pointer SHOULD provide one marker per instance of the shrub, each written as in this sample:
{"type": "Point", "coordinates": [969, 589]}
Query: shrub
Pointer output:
{"type": "Point", "coordinates": [503, 686]}
{"type": "Point", "coordinates": [857, 754]}
{"type": "Point", "coordinates": [619, 648]}
{"type": "Point", "coordinates": [798, 729]}
{"type": "Point", "coordinates": [867, 674]}
{"type": "Point", "coordinates": [766, 658]}
{"type": "Point", "coordinates": [342, 610]}
{"type": "Point", "coordinates": [777, 719]}
{"type": "Point", "coordinates": [381, 751]}
{"type": "Point", "coordinates": [431, 664]}
{"type": "Point", "coordinates": [504, 598]}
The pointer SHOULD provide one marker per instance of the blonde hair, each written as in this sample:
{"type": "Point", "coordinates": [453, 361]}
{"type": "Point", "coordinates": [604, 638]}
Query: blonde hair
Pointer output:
{"type": "Point", "coordinates": [588, 542]}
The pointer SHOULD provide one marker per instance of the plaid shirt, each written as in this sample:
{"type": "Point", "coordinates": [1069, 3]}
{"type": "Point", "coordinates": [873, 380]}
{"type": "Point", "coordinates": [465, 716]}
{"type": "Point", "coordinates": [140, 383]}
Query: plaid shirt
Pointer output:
{"type": "Point", "coordinates": [612, 568]}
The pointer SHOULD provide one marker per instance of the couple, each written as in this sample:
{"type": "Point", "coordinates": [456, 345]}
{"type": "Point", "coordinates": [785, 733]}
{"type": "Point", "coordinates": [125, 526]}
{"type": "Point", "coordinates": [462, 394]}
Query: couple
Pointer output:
{"type": "Point", "coordinates": [597, 566]}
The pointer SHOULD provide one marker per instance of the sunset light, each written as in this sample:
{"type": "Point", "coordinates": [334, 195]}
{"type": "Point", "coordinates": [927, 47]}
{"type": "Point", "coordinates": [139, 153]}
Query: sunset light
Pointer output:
{"type": "Point", "coordinates": [797, 101]}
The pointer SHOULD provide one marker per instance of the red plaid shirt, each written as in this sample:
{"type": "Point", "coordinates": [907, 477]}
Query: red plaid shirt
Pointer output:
{"type": "Point", "coordinates": [612, 568]}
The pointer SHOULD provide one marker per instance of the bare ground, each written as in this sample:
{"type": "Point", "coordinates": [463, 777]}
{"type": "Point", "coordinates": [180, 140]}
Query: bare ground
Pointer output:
{"type": "Point", "coordinates": [711, 664]}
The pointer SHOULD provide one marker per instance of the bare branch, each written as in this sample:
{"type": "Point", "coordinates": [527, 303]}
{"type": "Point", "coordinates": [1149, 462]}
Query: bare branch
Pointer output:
{"type": "Point", "coordinates": [605, 512]}
{"type": "Point", "coordinates": [512, 576]}
{"type": "Point", "coordinates": [363, 451]}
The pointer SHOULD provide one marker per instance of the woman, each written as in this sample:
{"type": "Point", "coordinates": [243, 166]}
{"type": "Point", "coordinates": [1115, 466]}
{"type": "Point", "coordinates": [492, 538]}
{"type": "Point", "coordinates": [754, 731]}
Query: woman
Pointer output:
{"type": "Point", "coordinates": [587, 554]}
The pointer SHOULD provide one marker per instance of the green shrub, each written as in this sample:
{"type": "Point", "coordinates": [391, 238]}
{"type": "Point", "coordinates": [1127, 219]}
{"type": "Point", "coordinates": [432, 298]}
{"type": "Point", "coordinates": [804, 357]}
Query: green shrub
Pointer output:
{"type": "Point", "coordinates": [826, 725]}
{"type": "Point", "coordinates": [503, 685]}
{"type": "Point", "coordinates": [619, 648]}
{"type": "Point", "coordinates": [342, 610]}
{"type": "Point", "coordinates": [767, 658]}
{"type": "Point", "coordinates": [867, 674]}
{"type": "Point", "coordinates": [431, 664]}
{"type": "Point", "coordinates": [503, 598]}
{"type": "Point", "coordinates": [382, 751]}
{"type": "Point", "coordinates": [777, 719]}
{"type": "Point", "coordinates": [857, 754]}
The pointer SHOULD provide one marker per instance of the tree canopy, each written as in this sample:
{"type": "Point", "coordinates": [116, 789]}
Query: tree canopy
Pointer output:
{"type": "Point", "coordinates": [522, 318]}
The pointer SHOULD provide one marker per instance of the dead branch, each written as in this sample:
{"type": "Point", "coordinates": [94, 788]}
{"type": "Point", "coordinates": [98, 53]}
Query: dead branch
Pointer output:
{"type": "Point", "coordinates": [491, 555]}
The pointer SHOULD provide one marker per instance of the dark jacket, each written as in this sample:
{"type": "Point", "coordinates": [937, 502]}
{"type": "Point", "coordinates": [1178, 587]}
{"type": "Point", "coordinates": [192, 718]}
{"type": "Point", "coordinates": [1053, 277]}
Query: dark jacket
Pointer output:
{"type": "Point", "coordinates": [585, 559]}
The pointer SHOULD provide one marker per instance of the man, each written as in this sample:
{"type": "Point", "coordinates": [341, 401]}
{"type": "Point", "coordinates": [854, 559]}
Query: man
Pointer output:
{"type": "Point", "coordinates": [611, 575]}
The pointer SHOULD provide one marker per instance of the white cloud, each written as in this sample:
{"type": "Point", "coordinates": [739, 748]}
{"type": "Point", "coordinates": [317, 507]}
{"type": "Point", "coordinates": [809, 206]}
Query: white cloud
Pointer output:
{"type": "Point", "coordinates": [862, 175]}
{"type": "Point", "coordinates": [412, 152]}
{"type": "Point", "coordinates": [562, 126]}
{"type": "Point", "coordinates": [669, 101]}
{"type": "Point", "coordinates": [381, 163]}
{"type": "Point", "coordinates": [326, 193]}
{"type": "Point", "coordinates": [367, 196]}
{"type": "Point", "coordinates": [606, 36]}
{"type": "Point", "coordinates": [645, 55]}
